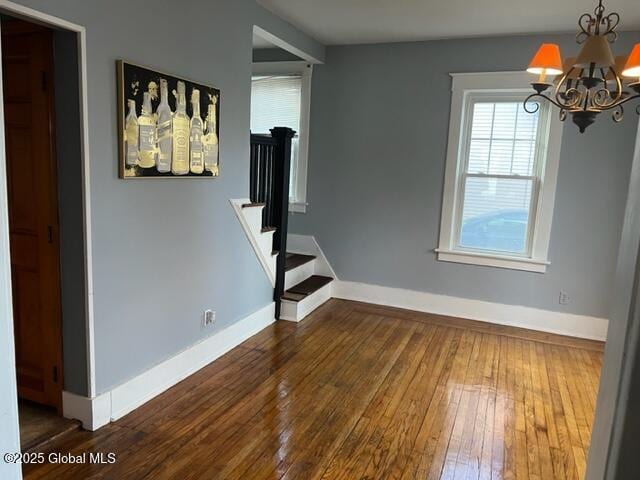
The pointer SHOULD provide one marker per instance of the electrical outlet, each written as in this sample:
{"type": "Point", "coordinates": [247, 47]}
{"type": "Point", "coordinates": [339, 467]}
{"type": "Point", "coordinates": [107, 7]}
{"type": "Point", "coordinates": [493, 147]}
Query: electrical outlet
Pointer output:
{"type": "Point", "coordinates": [563, 298]}
{"type": "Point", "coordinates": [209, 317]}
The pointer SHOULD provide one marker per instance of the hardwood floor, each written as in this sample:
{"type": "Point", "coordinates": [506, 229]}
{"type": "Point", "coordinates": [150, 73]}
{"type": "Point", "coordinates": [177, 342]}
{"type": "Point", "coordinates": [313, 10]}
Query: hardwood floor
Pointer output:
{"type": "Point", "coordinates": [40, 423]}
{"type": "Point", "coordinates": [360, 391]}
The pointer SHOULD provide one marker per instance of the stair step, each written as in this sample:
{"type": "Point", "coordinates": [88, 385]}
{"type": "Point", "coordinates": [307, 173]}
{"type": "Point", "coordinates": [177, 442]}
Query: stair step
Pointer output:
{"type": "Point", "coordinates": [306, 288]}
{"type": "Point", "coordinates": [293, 297]}
{"type": "Point", "coordinates": [249, 205]}
{"type": "Point", "coordinates": [294, 260]}
{"type": "Point", "coordinates": [268, 229]}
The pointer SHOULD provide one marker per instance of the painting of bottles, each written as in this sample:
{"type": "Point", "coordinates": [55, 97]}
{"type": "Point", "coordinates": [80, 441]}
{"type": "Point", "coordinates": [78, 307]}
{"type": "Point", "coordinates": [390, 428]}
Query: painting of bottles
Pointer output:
{"type": "Point", "coordinates": [168, 126]}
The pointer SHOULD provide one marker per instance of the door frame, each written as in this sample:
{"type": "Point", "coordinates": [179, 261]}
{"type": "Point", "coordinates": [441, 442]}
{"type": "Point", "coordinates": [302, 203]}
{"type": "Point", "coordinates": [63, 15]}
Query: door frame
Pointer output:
{"type": "Point", "coordinates": [37, 17]}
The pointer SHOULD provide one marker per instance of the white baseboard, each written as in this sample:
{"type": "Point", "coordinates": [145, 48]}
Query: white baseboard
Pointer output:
{"type": "Point", "coordinates": [92, 412]}
{"type": "Point", "coordinates": [581, 326]}
{"type": "Point", "coordinates": [116, 403]}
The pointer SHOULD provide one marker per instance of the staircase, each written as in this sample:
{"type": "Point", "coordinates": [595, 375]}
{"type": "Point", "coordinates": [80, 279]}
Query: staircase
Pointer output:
{"type": "Point", "coordinates": [299, 285]}
{"type": "Point", "coordinates": [305, 290]}
{"type": "Point", "coordinates": [306, 284]}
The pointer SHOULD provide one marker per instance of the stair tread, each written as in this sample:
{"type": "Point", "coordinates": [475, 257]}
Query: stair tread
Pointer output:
{"type": "Point", "coordinates": [309, 286]}
{"type": "Point", "coordinates": [257, 204]}
{"type": "Point", "coordinates": [294, 260]}
{"type": "Point", "coordinates": [268, 229]}
{"type": "Point", "coordinates": [293, 297]}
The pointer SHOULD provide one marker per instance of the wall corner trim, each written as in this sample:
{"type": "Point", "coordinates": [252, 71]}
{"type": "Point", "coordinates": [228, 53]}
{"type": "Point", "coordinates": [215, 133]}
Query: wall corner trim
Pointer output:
{"type": "Point", "coordinates": [581, 326]}
{"type": "Point", "coordinates": [114, 404]}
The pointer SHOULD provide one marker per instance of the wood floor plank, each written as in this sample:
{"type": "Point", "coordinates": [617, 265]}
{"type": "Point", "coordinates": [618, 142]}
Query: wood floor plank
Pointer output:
{"type": "Point", "coordinates": [404, 437]}
{"type": "Point", "coordinates": [447, 445]}
{"type": "Point", "coordinates": [501, 442]}
{"type": "Point", "coordinates": [397, 440]}
{"type": "Point", "coordinates": [362, 391]}
{"type": "Point", "coordinates": [362, 362]}
{"type": "Point", "coordinates": [356, 452]}
{"type": "Point", "coordinates": [340, 425]}
{"type": "Point", "coordinates": [299, 373]}
{"type": "Point", "coordinates": [419, 460]}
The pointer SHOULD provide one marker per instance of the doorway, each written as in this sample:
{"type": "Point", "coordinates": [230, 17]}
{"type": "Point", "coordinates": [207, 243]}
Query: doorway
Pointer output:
{"type": "Point", "coordinates": [27, 63]}
{"type": "Point", "coordinates": [53, 88]}
{"type": "Point", "coordinates": [33, 206]}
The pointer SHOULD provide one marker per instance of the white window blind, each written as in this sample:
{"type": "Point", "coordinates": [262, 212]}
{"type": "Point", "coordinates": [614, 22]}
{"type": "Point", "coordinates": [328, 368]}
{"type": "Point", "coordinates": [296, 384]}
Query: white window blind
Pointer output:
{"type": "Point", "coordinates": [275, 102]}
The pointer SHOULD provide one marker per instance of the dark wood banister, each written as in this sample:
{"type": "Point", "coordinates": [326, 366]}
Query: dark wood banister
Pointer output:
{"type": "Point", "coordinates": [270, 169]}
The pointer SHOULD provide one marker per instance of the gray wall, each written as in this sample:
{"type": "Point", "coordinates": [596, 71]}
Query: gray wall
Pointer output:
{"type": "Point", "coordinates": [72, 258]}
{"type": "Point", "coordinates": [379, 121]}
{"type": "Point", "coordinates": [165, 250]}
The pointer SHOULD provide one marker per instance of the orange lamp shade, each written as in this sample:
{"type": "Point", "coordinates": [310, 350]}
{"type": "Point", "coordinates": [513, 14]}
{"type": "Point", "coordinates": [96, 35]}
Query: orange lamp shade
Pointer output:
{"type": "Point", "coordinates": [547, 60]}
{"type": "Point", "coordinates": [632, 67]}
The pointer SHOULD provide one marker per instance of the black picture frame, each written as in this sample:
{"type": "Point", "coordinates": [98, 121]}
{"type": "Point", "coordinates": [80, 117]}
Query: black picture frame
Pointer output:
{"type": "Point", "coordinates": [132, 81]}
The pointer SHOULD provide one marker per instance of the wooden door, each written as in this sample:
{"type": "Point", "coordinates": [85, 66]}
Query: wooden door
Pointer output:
{"type": "Point", "coordinates": [27, 67]}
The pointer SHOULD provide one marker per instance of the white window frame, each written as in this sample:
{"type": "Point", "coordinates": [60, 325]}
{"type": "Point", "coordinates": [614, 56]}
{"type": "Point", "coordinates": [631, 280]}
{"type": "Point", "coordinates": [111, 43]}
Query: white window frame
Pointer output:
{"type": "Point", "coordinates": [298, 197]}
{"type": "Point", "coordinates": [467, 88]}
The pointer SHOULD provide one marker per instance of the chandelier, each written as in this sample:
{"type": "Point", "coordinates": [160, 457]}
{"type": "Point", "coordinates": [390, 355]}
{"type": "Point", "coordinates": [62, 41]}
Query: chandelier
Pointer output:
{"type": "Point", "coordinates": [592, 82]}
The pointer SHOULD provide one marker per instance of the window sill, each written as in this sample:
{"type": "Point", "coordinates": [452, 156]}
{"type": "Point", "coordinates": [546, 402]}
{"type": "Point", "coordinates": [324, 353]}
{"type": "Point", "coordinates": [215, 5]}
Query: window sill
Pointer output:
{"type": "Point", "coordinates": [489, 260]}
{"type": "Point", "coordinates": [297, 207]}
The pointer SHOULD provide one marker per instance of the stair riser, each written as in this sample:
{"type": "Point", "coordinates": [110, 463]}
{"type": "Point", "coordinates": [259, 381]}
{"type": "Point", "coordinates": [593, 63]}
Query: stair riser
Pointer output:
{"type": "Point", "coordinates": [298, 274]}
{"type": "Point", "coordinates": [250, 219]}
{"type": "Point", "coordinates": [265, 242]}
{"type": "Point", "coordinates": [253, 216]}
{"type": "Point", "coordinates": [297, 311]}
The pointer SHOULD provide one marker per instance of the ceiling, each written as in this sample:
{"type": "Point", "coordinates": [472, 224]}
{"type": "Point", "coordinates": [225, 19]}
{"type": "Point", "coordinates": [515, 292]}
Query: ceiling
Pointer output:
{"type": "Point", "coordinates": [337, 22]}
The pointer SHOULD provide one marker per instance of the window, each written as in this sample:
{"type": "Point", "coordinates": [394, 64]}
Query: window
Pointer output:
{"type": "Point", "coordinates": [280, 93]}
{"type": "Point", "coordinates": [501, 173]}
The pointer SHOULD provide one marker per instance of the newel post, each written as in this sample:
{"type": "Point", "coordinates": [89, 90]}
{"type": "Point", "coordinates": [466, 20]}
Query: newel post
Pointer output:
{"type": "Point", "coordinates": [282, 170]}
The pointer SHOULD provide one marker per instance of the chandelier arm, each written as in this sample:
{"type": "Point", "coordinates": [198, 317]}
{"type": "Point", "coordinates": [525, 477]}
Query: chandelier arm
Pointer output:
{"type": "Point", "coordinates": [537, 105]}
{"type": "Point", "coordinates": [605, 93]}
{"type": "Point", "coordinates": [618, 86]}
{"type": "Point", "coordinates": [569, 93]}
{"type": "Point", "coordinates": [573, 98]}
{"type": "Point", "coordinates": [618, 114]}
{"type": "Point", "coordinates": [622, 102]}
